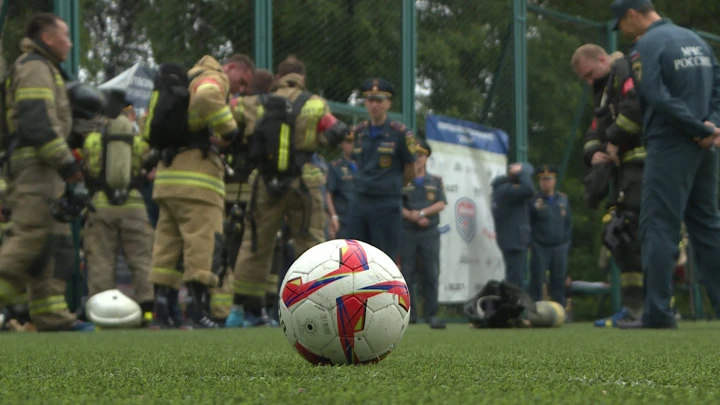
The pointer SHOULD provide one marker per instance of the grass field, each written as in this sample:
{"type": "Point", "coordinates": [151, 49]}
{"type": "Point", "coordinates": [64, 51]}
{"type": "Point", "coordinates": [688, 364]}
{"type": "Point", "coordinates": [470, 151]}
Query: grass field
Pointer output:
{"type": "Point", "coordinates": [576, 364]}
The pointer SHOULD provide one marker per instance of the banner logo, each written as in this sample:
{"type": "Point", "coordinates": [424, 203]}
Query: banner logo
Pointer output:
{"type": "Point", "coordinates": [466, 218]}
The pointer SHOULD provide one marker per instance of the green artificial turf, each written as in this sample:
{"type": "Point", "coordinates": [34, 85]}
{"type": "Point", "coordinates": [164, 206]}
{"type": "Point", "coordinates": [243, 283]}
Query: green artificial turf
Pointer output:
{"type": "Point", "coordinates": [575, 364]}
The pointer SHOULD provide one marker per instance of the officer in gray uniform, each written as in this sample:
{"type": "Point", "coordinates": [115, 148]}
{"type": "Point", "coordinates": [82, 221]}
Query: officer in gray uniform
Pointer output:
{"type": "Point", "coordinates": [550, 223]}
{"type": "Point", "coordinates": [384, 151]}
{"type": "Point", "coordinates": [677, 78]}
{"type": "Point", "coordinates": [510, 196]}
{"type": "Point", "coordinates": [423, 200]}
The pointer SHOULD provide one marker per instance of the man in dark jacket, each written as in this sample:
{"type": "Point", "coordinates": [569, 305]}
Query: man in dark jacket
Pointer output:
{"type": "Point", "coordinates": [510, 197]}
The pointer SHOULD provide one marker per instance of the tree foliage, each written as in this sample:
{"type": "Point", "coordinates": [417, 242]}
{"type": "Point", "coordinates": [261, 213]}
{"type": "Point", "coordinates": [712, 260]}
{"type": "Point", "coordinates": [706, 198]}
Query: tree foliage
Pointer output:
{"type": "Point", "coordinates": [465, 59]}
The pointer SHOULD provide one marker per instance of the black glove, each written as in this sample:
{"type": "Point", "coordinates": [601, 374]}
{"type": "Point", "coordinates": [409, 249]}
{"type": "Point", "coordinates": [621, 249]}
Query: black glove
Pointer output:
{"type": "Point", "coordinates": [231, 136]}
{"type": "Point", "coordinates": [337, 133]}
{"type": "Point", "coordinates": [71, 204]}
{"type": "Point", "coordinates": [69, 169]}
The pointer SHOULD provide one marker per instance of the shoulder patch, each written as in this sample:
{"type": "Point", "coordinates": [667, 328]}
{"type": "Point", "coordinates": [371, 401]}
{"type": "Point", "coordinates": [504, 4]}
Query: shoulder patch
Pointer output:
{"type": "Point", "coordinates": [359, 127]}
{"type": "Point", "coordinates": [398, 126]}
{"type": "Point", "coordinates": [207, 81]}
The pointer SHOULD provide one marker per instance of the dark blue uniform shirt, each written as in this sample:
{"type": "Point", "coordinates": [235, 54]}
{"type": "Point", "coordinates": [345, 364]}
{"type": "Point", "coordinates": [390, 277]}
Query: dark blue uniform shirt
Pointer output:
{"type": "Point", "coordinates": [550, 219]}
{"type": "Point", "coordinates": [381, 155]}
{"type": "Point", "coordinates": [678, 79]}
{"type": "Point", "coordinates": [510, 209]}
{"type": "Point", "coordinates": [422, 193]}
{"type": "Point", "coordinates": [340, 184]}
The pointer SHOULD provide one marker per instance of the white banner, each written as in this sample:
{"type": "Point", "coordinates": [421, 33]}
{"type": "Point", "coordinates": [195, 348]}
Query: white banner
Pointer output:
{"type": "Point", "coordinates": [467, 156]}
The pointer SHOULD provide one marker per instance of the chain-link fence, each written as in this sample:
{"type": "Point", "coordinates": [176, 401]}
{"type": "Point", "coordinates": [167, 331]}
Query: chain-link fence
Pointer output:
{"type": "Point", "coordinates": [341, 43]}
{"type": "Point", "coordinates": [466, 61]}
{"type": "Point", "coordinates": [117, 34]}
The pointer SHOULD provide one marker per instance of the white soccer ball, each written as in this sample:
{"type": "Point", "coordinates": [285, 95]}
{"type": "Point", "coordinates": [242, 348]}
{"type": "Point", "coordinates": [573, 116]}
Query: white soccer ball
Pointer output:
{"type": "Point", "coordinates": [344, 302]}
{"type": "Point", "coordinates": [113, 309]}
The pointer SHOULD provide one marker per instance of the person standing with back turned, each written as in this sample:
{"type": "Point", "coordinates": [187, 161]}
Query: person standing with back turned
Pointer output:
{"type": "Point", "coordinates": [677, 78]}
{"type": "Point", "coordinates": [511, 196]}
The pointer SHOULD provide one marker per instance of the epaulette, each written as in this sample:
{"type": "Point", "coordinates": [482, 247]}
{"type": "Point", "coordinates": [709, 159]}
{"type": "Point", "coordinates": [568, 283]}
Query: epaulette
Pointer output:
{"type": "Point", "coordinates": [398, 126]}
{"type": "Point", "coordinates": [436, 177]}
{"type": "Point", "coordinates": [360, 126]}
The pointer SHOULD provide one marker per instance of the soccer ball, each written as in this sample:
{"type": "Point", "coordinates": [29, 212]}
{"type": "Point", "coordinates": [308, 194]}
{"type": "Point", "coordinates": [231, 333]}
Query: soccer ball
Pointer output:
{"type": "Point", "coordinates": [344, 302]}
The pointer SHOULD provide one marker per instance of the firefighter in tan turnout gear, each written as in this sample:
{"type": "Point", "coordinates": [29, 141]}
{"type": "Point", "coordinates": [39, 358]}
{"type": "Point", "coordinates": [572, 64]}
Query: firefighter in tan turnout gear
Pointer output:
{"type": "Point", "coordinates": [190, 192]}
{"type": "Point", "coordinates": [291, 126]}
{"type": "Point", "coordinates": [113, 155]}
{"type": "Point", "coordinates": [39, 252]}
{"type": "Point", "coordinates": [237, 189]}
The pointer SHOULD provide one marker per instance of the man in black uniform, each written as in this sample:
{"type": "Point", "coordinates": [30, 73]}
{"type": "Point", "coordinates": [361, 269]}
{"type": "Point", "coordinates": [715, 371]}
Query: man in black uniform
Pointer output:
{"type": "Point", "coordinates": [384, 151]}
{"type": "Point", "coordinates": [614, 151]}
{"type": "Point", "coordinates": [677, 77]}
{"type": "Point", "coordinates": [510, 196]}
{"type": "Point", "coordinates": [340, 192]}
{"type": "Point", "coordinates": [423, 200]}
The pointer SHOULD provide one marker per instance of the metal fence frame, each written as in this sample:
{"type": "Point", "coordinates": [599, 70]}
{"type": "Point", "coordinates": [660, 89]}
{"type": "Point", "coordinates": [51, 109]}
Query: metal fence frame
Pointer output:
{"type": "Point", "coordinates": [69, 10]}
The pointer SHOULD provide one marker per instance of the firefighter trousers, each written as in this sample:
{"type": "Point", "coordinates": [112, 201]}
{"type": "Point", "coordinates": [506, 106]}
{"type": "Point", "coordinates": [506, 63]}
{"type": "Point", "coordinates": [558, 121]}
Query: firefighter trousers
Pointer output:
{"type": "Point", "coordinates": [221, 298]}
{"type": "Point", "coordinates": [193, 229]}
{"type": "Point", "coordinates": [628, 258]}
{"type": "Point", "coordinates": [301, 204]}
{"type": "Point", "coordinates": [39, 254]}
{"type": "Point", "coordinates": [115, 228]}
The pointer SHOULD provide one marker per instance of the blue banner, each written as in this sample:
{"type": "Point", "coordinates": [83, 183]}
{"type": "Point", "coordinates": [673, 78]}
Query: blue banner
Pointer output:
{"type": "Point", "coordinates": [466, 133]}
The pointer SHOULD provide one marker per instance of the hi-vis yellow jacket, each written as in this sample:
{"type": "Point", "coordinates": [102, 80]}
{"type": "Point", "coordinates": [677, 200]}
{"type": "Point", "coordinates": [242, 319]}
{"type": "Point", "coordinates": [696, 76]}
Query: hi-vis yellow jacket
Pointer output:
{"type": "Point", "coordinates": [191, 176]}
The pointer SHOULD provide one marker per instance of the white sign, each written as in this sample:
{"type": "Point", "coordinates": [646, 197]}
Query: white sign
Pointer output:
{"type": "Point", "coordinates": [468, 157]}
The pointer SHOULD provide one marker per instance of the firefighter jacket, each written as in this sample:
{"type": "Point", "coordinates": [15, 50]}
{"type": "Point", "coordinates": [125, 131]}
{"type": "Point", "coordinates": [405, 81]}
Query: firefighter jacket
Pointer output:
{"type": "Point", "coordinates": [194, 174]}
{"type": "Point", "coordinates": [39, 119]}
{"type": "Point", "coordinates": [92, 155]}
{"type": "Point", "coordinates": [245, 111]}
{"type": "Point", "coordinates": [306, 137]}
{"type": "Point", "coordinates": [618, 117]}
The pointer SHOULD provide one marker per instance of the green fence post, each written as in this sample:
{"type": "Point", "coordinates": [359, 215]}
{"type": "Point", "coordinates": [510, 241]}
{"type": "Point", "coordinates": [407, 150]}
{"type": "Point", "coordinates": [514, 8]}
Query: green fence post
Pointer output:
{"type": "Point", "coordinates": [69, 11]}
{"type": "Point", "coordinates": [3, 15]}
{"type": "Point", "coordinates": [579, 111]}
{"type": "Point", "coordinates": [615, 278]}
{"type": "Point", "coordinates": [263, 34]}
{"type": "Point", "coordinates": [409, 59]}
{"type": "Point", "coordinates": [611, 38]}
{"type": "Point", "coordinates": [496, 74]}
{"type": "Point", "coordinates": [520, 47]}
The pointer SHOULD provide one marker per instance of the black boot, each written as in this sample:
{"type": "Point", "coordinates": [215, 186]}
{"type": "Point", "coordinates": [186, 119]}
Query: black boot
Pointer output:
{"type": "Point", "coordinates": [197, 318]}
{"type": "Point", "coordinates": [435, 323]}
{"type": "Point", "coordinates": [162, 320]}
{"type": "Point", "coordinates": [176, 313]}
